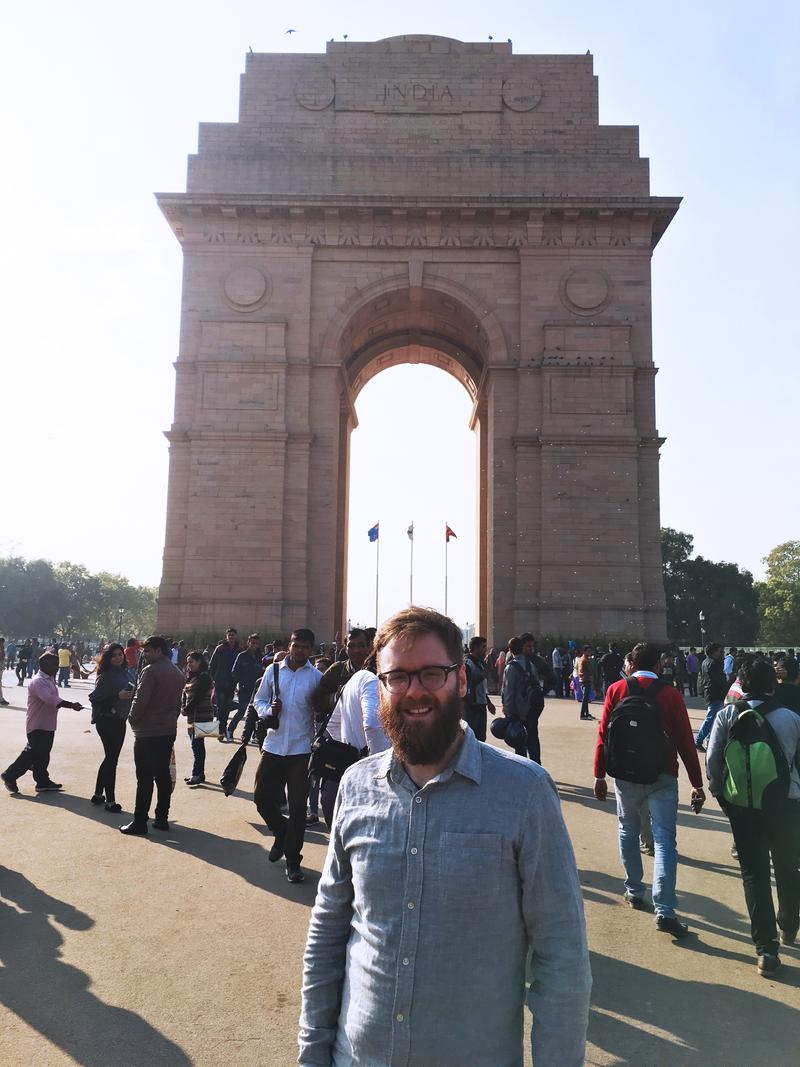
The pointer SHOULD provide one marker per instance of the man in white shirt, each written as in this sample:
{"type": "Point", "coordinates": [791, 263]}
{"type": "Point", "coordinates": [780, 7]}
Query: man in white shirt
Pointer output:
{"type": "Point", "coordinates": [284, 700]}
{"type": "Point", "coordinates": [355, 721]}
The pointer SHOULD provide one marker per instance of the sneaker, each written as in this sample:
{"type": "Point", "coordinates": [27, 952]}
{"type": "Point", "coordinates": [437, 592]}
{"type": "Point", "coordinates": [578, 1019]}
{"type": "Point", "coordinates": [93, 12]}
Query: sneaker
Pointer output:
{"type": "Point", "coordinates": [671, 924]}
{"type": "Point", "coordinates": [637, 903]}
{"type": "Point", "coordinates": [4, 704]}
{"type": "Point", "coordinates": [49, 787]}
{"type": "Point", "coordinates": [196, 779]}
{"type": "Point", "coordinates": [98, 798]}
{"type": "Point", "coordinates": [160, 824]}
{"type": "Point", "coordinates": [787, 937]}
{"type": "Point", "coordinates": [312, 820]}
{"type": "Point", "coordinates": [275, 853]}
{"type": "Point", "coordinates": [734, 852]}
{"type": "Point", "coordinates": [10, 783]}
{"type": "Point", "coordinates": [768, 965]}
{"type": "Point", "coordinates": [294, 874]}
{"type": "Point", "coordinates": [113, 807]}
{"type": "Point", "coordinates": [137, 829]}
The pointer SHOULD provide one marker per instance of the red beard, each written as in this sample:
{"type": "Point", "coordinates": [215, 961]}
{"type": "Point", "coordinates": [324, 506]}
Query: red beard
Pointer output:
{"type": "Point", "coordinates": [425, 742]}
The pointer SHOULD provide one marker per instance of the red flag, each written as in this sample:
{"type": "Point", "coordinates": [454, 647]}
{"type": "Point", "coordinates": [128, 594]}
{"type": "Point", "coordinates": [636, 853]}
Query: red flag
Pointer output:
{"type": "Point", "coordinates": [448, 533]}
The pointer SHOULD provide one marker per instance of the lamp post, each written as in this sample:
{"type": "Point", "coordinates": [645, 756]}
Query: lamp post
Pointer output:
{"type": "Point", "coordinates": [120, 613]}
{"type": "Point", "coordinates": [702, 618]}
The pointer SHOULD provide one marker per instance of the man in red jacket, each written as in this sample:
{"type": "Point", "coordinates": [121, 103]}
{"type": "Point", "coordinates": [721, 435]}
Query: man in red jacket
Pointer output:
{"type": "Point", "coordinates": [662, 795]}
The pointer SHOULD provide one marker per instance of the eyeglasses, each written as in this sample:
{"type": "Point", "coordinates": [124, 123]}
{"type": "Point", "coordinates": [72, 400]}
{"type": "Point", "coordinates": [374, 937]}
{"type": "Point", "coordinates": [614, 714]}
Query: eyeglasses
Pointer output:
{"type": "Point", "coordinates": [430, 678]}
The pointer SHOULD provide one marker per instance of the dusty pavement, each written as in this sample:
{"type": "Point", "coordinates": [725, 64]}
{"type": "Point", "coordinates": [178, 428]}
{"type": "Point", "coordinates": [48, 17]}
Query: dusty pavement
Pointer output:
{"type": "Point", "coordinates": [186, 948]}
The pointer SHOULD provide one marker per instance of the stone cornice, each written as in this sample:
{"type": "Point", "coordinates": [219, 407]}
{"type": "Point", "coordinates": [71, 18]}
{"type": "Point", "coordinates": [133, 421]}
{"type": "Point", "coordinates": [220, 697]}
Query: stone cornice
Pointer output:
{"type": "Point", "coordinates": [520, 223]}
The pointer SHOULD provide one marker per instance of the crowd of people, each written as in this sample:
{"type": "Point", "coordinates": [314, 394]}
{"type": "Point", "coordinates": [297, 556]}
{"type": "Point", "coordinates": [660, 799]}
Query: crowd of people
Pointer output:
{"type": "Point", "coordinates": [373, 734]}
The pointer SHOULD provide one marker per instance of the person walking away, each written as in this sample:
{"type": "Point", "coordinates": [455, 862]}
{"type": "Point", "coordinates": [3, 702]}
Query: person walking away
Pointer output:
{"type": "Point", "coordinates": [753, 765]}
{"type": "Point", "coordinates": [395, 959]}
{"type": "Point", "coordinates": [246, 675]}
{"type": "Point", "coordinates": [692, 670]}
{"type": "Point", "coordinates": [355, 722]}
{"type": "Point", "coordinates": [584, 673]}
{"type": "Point", "coordinates": [3, 660]}
{"type": "Point", "coordinates": [714, 686]}
{"type": "Point", "coordinates": [649, 762]}
{"type": "Point", "coordinates": [221, 665]}
{"type": "Point", "coordinates": [33, 658]}
{"type": "Point", "coordinates": [786, 671]}
{"type": "Point", "coordinates": [667, 672]}
{"type": "Point", "coordinates": [11, 655]}
{"type": "Point", "coordinates": [476, 698]}
{"type": "Point", "coordinates": [284, 702]}
{"type": "Point", "coordinates": [23, 656]}
{"type": "Point", "coordinates": [111, 702]}
{"type": "Point", "coordinates": [196, 706]}
{"type": "Point", "coordinates": [610, 667]}
{"type": "Point", "coordinates": [153, 718]}
{"type": "Point", "coordinates": [41, 721]}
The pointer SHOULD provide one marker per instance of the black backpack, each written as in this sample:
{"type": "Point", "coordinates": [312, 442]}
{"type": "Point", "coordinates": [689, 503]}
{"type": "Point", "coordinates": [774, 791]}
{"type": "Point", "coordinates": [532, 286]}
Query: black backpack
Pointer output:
{"type": "Point", "coordinates": [636, 745]}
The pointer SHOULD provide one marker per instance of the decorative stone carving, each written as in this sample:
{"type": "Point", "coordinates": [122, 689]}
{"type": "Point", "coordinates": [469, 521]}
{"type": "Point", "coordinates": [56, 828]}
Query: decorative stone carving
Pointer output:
{"type": "Point", "coordinates": [316, 92]}
{"type": "Point", "coordinates": [522, 94]}
{"type": "Point", "coordinates": [585, 291]}
{"type": "Point", "coordinates": [247, 288]}
{"type": "Point", "coordinates": [551, 233]}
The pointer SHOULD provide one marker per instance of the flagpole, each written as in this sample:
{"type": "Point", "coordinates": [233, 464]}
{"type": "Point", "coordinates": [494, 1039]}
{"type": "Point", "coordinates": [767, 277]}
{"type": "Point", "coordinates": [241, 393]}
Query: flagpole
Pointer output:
{"type": "Point", "coordinates": [446, 546]}
{"type": "Point", "coordinates": [411, 570]}
{"type": "Point", "coordinates": [377, 572]}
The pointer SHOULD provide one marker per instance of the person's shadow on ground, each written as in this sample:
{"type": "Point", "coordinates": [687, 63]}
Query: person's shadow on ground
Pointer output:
{"type": "Point", "coordinates": [693, 1022]}
{"type": "Point", "coordinates": [246, 859]}
{"type": "Point", "coordinates": [53, 997]}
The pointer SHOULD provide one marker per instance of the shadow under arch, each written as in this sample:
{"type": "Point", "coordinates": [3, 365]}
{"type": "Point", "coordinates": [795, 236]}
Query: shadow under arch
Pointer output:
{"type": "Point", "coordinates": [415, 319]}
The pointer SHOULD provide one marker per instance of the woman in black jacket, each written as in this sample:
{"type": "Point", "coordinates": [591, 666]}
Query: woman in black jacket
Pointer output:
{"type": "Point", "coordinates": [111, 701]}
{"type": "Point", "coordinates": [196, 706]}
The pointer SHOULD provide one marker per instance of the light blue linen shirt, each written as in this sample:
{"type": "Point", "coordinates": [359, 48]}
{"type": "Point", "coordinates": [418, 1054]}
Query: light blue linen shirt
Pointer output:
{"type": "Point", "coordinates": [428, 905]}
{"type": "Point", "coordinates": [296, 730]}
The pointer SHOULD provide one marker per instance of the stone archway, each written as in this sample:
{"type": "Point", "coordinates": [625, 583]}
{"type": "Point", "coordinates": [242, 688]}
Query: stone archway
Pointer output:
{"type": "Point", "coordinates": [425, 198]}
{"type": "Point", "coordinates": [390, 325]}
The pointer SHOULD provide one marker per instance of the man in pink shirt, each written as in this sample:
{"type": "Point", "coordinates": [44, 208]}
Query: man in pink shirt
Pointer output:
{"type": "Point", "coordinates": [43, 704]}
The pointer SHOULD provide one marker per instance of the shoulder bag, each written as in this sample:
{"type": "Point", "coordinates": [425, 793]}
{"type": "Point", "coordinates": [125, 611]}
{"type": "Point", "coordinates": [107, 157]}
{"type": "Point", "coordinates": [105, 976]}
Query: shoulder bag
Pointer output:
{"type": "Point", "coordinates": [330, 758]}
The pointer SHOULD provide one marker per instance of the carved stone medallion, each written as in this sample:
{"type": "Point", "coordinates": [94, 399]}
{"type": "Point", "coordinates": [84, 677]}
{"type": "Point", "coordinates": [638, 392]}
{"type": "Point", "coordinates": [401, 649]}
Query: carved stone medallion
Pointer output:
{"type": "Point", "coordinates": [247, 288]}
{"type": "Point", "coordinates": [585, 291]}
{"type": "Point", "coordinates": [522, 95]}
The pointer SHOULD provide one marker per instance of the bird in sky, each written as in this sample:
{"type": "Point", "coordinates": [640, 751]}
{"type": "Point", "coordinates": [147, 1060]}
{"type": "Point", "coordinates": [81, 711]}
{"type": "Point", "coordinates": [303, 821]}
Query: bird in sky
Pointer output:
{"type": "Point", "coordinates": [250, 49]}
{"type": "Point", "coordinates": [290, 31]}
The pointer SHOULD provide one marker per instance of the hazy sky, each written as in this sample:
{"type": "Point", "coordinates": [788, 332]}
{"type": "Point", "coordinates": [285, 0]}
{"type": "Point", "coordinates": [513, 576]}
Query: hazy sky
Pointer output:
{"type": "Point", "coordinates": [101, 103]}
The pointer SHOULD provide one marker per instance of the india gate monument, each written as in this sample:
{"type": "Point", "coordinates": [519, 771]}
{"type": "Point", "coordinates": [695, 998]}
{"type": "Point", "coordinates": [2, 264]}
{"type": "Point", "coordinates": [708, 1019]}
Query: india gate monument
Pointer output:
{"type": "Point", "coordinates": [416, 200]}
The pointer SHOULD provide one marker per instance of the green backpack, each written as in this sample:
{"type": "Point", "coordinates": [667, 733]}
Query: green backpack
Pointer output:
{"type": "Point", "coordinates": [756, 769]}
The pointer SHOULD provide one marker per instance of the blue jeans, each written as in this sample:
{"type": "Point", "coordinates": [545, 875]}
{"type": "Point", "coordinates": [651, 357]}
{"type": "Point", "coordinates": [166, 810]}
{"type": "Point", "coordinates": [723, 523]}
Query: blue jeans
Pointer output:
{"type": "Point", "coordinates": [714, 706]}
{"type": "Point", "coordinates": [63, 677]}
{"type": "Point", "coordinates": [662, 797]}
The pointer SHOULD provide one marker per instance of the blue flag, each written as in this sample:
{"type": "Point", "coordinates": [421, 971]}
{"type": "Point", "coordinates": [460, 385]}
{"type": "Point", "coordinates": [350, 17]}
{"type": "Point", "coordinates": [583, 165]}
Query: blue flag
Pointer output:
{"type": "Point", "coordinates": [373, 533]}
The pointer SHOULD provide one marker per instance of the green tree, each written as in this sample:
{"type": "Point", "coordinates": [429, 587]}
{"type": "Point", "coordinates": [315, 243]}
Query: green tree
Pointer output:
{"type": "Point", "coordinates": [779, 595]}
{"type": "Point", "coordinates": [32, 600]}
{"type": "Point", "coordinates": [722, 591]}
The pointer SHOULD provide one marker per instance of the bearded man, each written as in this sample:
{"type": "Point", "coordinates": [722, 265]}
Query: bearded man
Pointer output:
{"type": "Point", "coordinates": [448, 863]}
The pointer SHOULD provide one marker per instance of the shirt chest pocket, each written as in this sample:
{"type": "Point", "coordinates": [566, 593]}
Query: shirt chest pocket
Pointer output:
{"type": "Point", "coordinates": [469, 868]}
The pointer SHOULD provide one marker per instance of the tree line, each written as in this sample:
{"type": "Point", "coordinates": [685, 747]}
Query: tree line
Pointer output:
{"type": "Point", "coordinates": [736, 608]}
{"type": "Point", "coordinates": [42, 599]}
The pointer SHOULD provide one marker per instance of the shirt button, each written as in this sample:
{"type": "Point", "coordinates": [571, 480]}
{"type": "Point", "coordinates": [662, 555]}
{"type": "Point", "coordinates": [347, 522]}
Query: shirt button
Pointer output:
{"type": "Point", "coordinates": [417, 800]}
{"type": "Point", "coordinates": [399, 1016]}
{"type": "Point", "coordinates": [411, 905]}
{"type": "Point", "coordinates": [414, 851]}
{"type": "Point", "coordinates": [406, 961]}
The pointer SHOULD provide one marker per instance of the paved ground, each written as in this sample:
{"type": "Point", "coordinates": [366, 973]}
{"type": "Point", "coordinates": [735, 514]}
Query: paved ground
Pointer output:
{"type": "Point", "coordinates": [186, 948]}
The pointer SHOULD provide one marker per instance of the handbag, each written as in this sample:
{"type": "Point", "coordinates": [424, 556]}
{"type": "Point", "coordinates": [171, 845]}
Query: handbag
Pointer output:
{"type": "Point", "coordinates": [206, 729]}
{"type": "Point", "coordinates": [330, 758]}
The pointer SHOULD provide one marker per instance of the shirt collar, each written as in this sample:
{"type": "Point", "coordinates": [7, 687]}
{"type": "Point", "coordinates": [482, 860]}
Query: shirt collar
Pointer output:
{"type": "Point", "coordinates": [467, 763]}
{"type": "Point", "coordinates": [644, 674]}
{"type": "Point", "coordinates": [285, 663]}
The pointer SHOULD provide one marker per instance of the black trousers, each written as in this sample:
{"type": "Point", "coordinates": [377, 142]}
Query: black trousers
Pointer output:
{"type": "Point", "coordinates": [199, 754]}
{"type": "Point", "coordinates": [692, 680]}
{"type": "Point", "coordinates": [533, 749]}
{"type": "Point", "coordinates": [585, 713]}
{"type": "Point", "coordinates": [759, 837]}
{"type": "Point", "coordinates": [328, 790]}
{"type": "Point", "coordinates": [223, 698]}
{"type": "Point", "coordinates": [475, 716]}
{"type": "Point", "coordinates": [22, 669]}
{"type": "Point", "coordinates": [112, 733]}
{"type": "Point", "coordinates": [34, 757]}
{"type": "Point", "coordinates": [274, 775]}
{"type": "Point", "coordinates": [151, 757]}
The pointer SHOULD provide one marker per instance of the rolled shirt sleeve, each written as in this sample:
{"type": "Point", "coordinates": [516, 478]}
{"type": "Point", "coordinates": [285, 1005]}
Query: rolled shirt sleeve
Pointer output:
{"type": "Point", "coordinates": [377, 741]}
